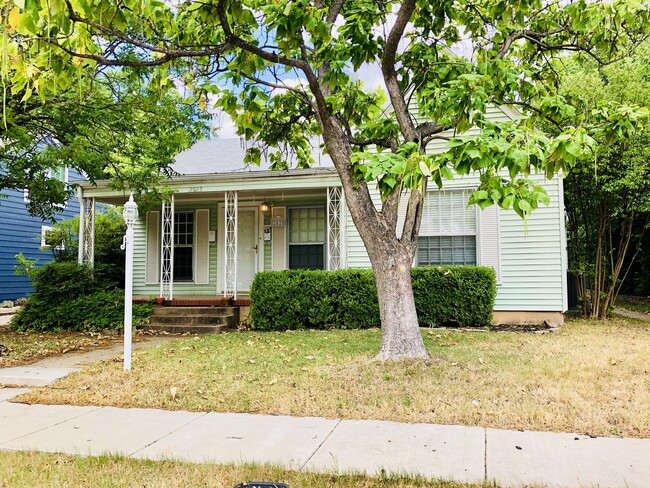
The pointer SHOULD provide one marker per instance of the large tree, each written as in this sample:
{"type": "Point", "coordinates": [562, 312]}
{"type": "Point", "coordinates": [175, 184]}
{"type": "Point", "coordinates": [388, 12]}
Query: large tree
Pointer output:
{"type": "Point", "coordinates": [286, 70]}
{"type": "Point", "coordinates": [608, 195]}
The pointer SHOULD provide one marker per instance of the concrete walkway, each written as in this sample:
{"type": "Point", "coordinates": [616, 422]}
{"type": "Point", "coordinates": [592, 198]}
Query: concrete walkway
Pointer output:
{"type": "Point", "coordinates": [465, 454]}
{"type": "Point", "coordinates": [632, 314]}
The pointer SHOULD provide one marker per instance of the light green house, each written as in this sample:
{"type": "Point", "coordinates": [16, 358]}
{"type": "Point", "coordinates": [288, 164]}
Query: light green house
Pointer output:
{"type": "Point", "coordinates": [225, 222]}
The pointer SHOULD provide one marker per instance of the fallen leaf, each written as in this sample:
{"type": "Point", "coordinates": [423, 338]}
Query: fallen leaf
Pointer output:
{"type": "Point", "coordinates": [273, 381]}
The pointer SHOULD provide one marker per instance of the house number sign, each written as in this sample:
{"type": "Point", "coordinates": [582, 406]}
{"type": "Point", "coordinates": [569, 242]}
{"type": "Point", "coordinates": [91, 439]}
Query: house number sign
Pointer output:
{"type": "Point", "coordinates": [278, 221]}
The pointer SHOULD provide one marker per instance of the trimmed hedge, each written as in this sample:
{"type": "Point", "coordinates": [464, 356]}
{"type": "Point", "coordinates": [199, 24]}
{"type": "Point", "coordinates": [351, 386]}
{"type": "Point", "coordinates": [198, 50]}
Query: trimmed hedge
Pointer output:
{"type": "Point", "coordinates": [66, 296]}
{"type": "Point", "coordinates": [347, 299]}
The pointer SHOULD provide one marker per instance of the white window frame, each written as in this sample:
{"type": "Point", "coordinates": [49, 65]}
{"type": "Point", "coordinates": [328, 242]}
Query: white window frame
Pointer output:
{"type": "Point", "coordinates": [44, 229]}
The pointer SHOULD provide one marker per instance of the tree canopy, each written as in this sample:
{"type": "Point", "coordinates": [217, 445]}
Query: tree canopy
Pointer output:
{"type": "Point", "coordinates": [286, 70]}
{"type": "Point", "coordinates": [103, 123]}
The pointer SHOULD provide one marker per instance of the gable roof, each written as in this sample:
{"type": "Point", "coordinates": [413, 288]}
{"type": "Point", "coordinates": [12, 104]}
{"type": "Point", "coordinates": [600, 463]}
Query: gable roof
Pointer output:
{"type": "Point", "coordinates": [223, 156]}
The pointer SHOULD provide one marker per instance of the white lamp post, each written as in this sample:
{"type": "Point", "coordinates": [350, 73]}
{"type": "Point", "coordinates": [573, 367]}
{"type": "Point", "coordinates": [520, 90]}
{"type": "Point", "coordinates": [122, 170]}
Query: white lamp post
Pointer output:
{"type": "Point", "coordinates": [130, 214]}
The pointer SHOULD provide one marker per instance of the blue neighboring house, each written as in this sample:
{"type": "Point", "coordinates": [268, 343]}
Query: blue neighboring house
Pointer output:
{"type": "Point", "coordinates": [20, 232]}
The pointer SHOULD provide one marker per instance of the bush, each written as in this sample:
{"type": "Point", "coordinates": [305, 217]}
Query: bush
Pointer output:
{"type": "Point", "coordinates": [296, 299]}
{"type": "Point", "coordinates": [347, 299]}
{"type": "Point", "coordinates": [454, 295]}
{"type": "Point", "coordinates": [66, 296]}
{"type": "Point", "coordinates": [7, 304]}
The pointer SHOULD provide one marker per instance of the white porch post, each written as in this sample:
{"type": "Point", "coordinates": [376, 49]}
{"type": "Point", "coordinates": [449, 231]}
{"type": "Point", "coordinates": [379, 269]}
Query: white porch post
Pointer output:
{"type": "Point", "coordinates": [80, 248]}
{"type": "Point", "coordinates": [335, 228]}
{"type": "Point", "coordinates": [167, 249]}
{"type": "Point", "coordinates": [86, 253]}
{"type": "Point", "coordinates": [230, 247]}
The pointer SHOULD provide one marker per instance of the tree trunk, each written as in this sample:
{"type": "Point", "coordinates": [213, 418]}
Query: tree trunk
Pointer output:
{"type": "Point", "coordinates": [391, 257]}
{"type": "Point", "coordinates": [401, 338]}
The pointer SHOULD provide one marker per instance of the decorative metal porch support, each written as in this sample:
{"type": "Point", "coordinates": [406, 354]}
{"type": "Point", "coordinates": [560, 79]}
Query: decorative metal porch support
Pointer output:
{"type": "Point", "coordinates": [167, 250]}
{"type": "Point", "coordinates": [335, 228]}
{"type": "Point", "coordinates": [86, 231]}
{"type": "Point", "coordinates": [230, 235]}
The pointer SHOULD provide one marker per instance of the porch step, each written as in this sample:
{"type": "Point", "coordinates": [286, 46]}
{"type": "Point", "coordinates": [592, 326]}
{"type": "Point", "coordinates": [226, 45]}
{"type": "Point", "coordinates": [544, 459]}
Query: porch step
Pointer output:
{"type": "Point", "coordinates": [195, 311]}
{"type": "Point", "coordinates": [196, 320]}
{"type": "Point", "coordinates": [192, 329]}
{"type": "Point", "coordinates": [192, 319]}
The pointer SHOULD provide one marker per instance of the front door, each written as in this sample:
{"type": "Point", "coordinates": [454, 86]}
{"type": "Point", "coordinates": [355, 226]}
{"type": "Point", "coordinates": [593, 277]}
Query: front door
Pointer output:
{"type": "Point", "coordinates": [247, 247]}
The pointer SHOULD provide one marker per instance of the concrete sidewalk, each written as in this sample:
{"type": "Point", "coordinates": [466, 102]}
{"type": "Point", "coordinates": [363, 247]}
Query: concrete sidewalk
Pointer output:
{"type": "Point", "coordinates": [469, 454]}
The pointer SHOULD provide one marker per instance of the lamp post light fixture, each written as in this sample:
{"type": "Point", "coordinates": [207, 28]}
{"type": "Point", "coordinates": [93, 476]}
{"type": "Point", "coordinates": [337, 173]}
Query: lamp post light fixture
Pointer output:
{"type": "Point", "coordinates": [130, 214]}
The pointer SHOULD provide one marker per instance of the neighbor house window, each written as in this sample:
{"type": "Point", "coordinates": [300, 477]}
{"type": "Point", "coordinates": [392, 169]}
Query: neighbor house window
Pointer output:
{"type": "Point", "coordinates": [59, 173]}
{"type": "Point", "coordinates": [183, 246]}
{"type": "Point", "coordinates": [307, 238]}
{"type": "Point", "coordinates": [448, 230]}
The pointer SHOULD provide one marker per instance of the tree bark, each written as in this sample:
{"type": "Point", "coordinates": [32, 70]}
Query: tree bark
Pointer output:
{"type": "Point", "coordinates": [401, 338]}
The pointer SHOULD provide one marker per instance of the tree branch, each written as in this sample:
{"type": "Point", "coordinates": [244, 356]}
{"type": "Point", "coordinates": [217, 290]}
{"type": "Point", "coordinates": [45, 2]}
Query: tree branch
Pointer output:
{"type": "Point", "coordinates": [390, 74]}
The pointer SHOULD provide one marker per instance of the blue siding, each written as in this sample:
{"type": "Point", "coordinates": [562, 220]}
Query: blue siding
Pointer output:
{"type": "Point", "coordinates": [20, 232]}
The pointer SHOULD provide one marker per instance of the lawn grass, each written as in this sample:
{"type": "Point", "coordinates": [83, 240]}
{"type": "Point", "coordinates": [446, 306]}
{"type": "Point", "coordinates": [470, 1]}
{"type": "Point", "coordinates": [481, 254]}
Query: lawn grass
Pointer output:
{"type": "Point", "coordinates": [590, 377]}
{"type": "Point", "coordinates": [29, 347]}
{"type": "Point", "coordinates": [30, 469]}
{"type": "Point", "coordinates": [636, 304]}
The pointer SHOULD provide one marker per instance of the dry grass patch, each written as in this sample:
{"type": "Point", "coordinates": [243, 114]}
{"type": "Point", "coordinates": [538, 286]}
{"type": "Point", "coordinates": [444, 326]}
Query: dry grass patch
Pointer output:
{"type": "Point", "coordinates": [591, 378]}
{"type": "Point", "coordinates": [29, 347]}
{"type": "Point", "coordinates": [29, 469]}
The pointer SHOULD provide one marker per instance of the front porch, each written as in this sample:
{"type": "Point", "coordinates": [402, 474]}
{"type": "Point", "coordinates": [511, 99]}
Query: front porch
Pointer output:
{"type": "Point", "coordinates": [212, 235]}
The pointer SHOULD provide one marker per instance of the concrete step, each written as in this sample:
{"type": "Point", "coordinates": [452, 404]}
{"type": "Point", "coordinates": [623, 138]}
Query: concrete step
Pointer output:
{"type": "Point", "coordinates": [193, 319]}
{"type": "Point", "coordinates": [181, 311]}
{"type": "Point", "coordinates": [192, 329]}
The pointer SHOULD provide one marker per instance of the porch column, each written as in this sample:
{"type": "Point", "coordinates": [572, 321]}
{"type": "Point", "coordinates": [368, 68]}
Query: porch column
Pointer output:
{"type": "Point", "coordinates": [230, 236]}
{"type": "Point", "coordinates": [86, 251]}
{"type": "Point", "coordinates": [167, 249]}
{"type": "Point", "coordinates": [335, 228]}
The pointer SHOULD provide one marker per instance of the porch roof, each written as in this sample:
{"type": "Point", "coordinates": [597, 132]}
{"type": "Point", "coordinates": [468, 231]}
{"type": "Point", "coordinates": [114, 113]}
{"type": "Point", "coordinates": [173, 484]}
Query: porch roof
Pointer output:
{"type": "Point", "coordinates": [217, 165]}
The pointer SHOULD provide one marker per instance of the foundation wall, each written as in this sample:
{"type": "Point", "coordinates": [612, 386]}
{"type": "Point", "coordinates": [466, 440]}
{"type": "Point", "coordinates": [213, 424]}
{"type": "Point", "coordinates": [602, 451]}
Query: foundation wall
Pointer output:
{"type": "Point", "coordinates": [552, 319]}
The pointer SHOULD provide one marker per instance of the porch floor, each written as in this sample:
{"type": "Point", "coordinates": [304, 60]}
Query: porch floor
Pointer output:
{"type": "Point", "coordinates": [243, 300]}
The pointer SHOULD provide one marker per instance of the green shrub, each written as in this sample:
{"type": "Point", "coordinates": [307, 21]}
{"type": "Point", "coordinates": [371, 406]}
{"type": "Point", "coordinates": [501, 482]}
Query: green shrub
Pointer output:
{"type": "Point", "coordinates": [297, 299]}
{"type": "Point", "coordinates": [102, 309]}
{"type": "Point", "coordinates": [67, 296]}
{"type": "Point", "coordinates": [454, 295]}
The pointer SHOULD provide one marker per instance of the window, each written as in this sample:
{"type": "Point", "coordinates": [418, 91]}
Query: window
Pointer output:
{"type": "Point", "coordinates": [183, 246]}
{"type": "Point", "coordinates": [448, 231]}
{"type": "Point", "coordinates": [44, 230]}
{"type": "Point", "coordinates": [59, 173]}
{"type": "Point", "coordinates": [307, 238]}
